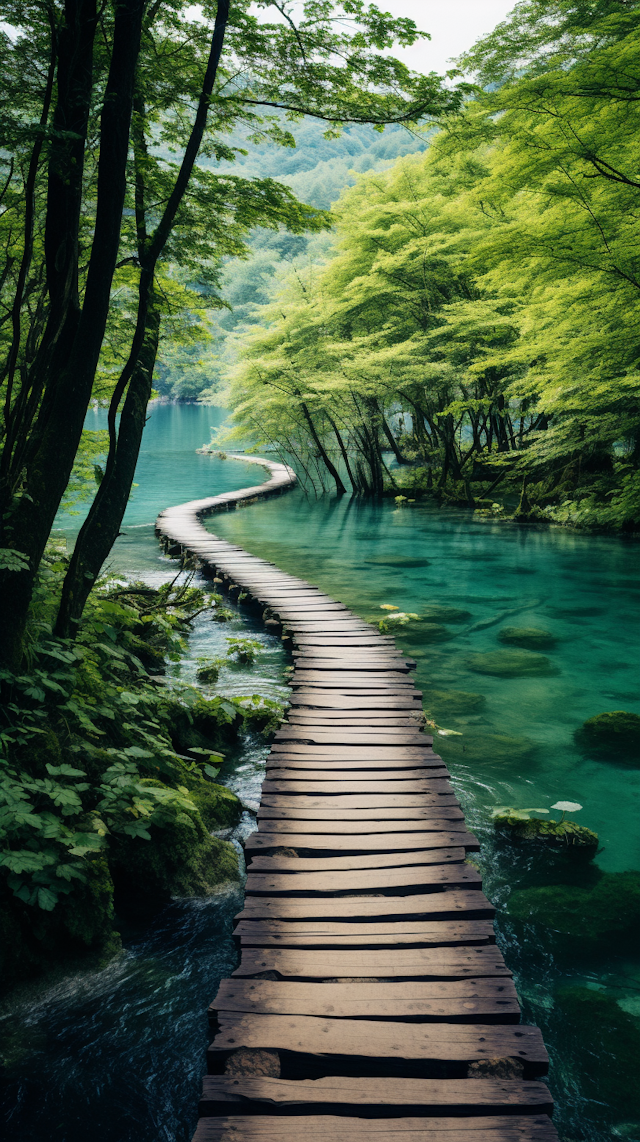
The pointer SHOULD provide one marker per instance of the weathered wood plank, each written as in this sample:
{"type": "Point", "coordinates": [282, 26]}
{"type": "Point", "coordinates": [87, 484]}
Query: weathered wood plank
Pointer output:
{"type": "Point", "coordinates": [350, 800]}
{"type": "Point", "coordinates": [393, 816]}
{"type": "Point", "coordinates": [483, 1000]}
{"type": "Point", "coordinates": [318, 934]}
{"type": "Point", "coordinates": [283, 862]}
{"type": "Point", "coordinates": [398, 880]}
{"type": "Point", "coordinates": [358, 845]}
{"type": "Point", "coordinates": [372, 1098]}
{"type": "Point", "coordinates": [406, 963]}
{"type": "Point", "coordinates": [325, 1128]}
{"type": "Point", "coordinates": [350, 785]}
{"type": "Point", "coordinates": [340, 1042]}
{"type": "Point", "coordinates": [455, 904]}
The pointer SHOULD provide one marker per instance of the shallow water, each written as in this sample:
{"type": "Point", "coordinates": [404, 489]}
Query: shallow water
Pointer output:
{"type": "Point", "coordinates": [119, 1052]}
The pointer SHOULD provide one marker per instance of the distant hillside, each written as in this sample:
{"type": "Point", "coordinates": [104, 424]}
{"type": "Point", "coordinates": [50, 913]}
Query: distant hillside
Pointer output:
{"type": "Point", "coordinates": [317, 169]}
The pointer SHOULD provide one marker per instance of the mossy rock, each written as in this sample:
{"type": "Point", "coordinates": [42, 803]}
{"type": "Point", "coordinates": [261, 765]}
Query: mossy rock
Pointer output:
{"type": "Point", "coordinates": [209, 674]}
{"type": "Point", "coordinates": [198, 725]}
{"type": "Point", "coordinates": [397, 561]}
{"type": "Point", "coordinates": [564, 834]}
{"type": "Point", "coordinates": [431, 632]}
{"type": "Point", "coordinates": [487, 749]}
{"type": "Point", "coordinates": [452, 703]}
{"type": "Point", "coordinates": [606, 1041]}
{"type": "Point", "coordinates": [614, 736]}
{"type": "Point", "coordinates": [180, 859]}
{"type": "Point", "coordinates": [218, 806]}
{"type": "Point", "coordinates": [436, 613]}
{"type": "Point", "coordinates": [611, 909]}
{"type": "Point", "coordinates": [510, 664]}
{"type": "Point", "coordinates": [529, 638]}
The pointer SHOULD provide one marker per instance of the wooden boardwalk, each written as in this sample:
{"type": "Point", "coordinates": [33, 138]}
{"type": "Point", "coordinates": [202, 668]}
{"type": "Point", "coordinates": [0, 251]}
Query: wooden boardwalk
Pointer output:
{"type": "Point", "coordinates": [370, 1001]}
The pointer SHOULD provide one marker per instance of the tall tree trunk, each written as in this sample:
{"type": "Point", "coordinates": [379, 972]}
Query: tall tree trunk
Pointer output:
{"type": "Point", "coordinates": [75, 354]}
{"type": "Point", "coordinates": [328, 463]}
{"type": "Point", "coordinates": [102, 525]}
{"type": "Point", "coordinates": [343, 450]}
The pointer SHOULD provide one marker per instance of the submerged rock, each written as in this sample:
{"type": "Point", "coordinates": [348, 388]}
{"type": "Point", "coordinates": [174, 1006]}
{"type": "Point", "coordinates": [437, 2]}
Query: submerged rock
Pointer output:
{"type": "Point", "coordinates": [397, 561]}
{"type": "Point", "coordinates": [607, 1042]}
{"type": "Point", "coordinates": [449, 703]}
{"type": "Point", "coordinates": [548, 832]}
{"type": "Point", "coordinates": [613, 736]}
{"type": "Point", "coordinates": [487, 749]}
{"type": "Point", "coordinates": [437, 613]}
{"type": "Point", "coordinates": [432, 632]}
{"type": "Point", "coordinates": [530, 638]}
{"type": "Point", "coordinates": [608, 910]}
{"type": "Point", "coordinates": [510, 663]}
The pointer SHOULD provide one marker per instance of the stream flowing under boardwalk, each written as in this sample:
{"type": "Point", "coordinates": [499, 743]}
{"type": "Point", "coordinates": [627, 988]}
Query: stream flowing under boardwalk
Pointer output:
{"type": "Point", "coordinates": [370, 1000]}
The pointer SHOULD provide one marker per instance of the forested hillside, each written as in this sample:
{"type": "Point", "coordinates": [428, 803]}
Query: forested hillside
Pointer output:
{"type": "Point", "coordinates": [317, 170]}
{"type": "Point", "coordinates": [473, 316]}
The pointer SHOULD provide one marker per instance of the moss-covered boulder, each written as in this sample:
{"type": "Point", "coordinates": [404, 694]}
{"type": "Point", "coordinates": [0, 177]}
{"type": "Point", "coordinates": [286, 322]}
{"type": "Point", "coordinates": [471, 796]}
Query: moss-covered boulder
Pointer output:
{"type": "Point", "coordinates": [613, 736]}
{"type": "Point", "coordinates": [529, 638]}
{"type": "Point", "coordinates": [562, 834]}
{"type": "Point", "coordinates": [510, 663]}
{"type": "Point", "coordinates": [180, 859]}
{"type": "Point", "coordinates": [439, 613]}
{"type": "Point", "coordinates": [204, 723]}
{"type": "Point", "coordinates": [431, 632]}
{"type": "Point", "coordinates": [487, 748]}
{"type": "Point", "coordinates": [606, 1044]}
{"type": "Point", "coordinates": [217, 805]}
{"type": "Point", "coordinates": [609, 910]}
{"type": "Point", "coordinates": [451, 703]}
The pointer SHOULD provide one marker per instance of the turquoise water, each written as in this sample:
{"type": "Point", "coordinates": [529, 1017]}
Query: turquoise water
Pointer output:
{"type": "Point", "coordinates": [124, 1048]}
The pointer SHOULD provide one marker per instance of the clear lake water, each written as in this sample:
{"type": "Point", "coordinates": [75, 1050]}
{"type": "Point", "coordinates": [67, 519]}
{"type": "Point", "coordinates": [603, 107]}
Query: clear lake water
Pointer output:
{"type": "Point", "coordinates": [118, 1053]}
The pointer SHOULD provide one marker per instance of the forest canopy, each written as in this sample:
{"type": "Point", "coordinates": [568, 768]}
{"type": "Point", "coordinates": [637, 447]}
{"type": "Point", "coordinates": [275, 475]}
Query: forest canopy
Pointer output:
{"type": "Point", "coordinates": [471, 330]}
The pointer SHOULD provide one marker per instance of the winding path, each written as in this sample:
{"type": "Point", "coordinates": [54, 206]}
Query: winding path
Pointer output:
{"type": "Point", "coordinates": [370, 1001]}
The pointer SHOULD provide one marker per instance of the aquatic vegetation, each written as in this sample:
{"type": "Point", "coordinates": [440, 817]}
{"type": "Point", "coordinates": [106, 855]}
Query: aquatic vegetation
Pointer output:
{"type": "Point", "coordinates": [509, 663]}
{"type": "Point", "coordinates": [395, 618]}
{"type": "Point", "coordinates": [610, 909]}
{"type": "Point", "coordinates": [209, 672]}
{"type": "Point", "coordinates": [489, 748]}
{"type": "Point", "coordinates": [606, 1042]}
{"type": "Point", "coordinates": [530, 638]}
{"type": "Point", "coordinates": [439, 613]}
{"type": "Point", "coordinates": [445, 703]}
{"type": "Point", "coordinates": [519, 825]}
{"type": "Point", "coordinates": [244, 650]}
{"type": "Point", "coordinates": [613, 736]}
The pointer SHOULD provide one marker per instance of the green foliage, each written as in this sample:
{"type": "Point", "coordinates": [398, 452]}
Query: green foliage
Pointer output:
{"type": "Point", "coordinates": [475, 314]}
{"type": "Point", "coordinates": [106, 773]}
{"type": "Point", "coordinates": [243, 650]}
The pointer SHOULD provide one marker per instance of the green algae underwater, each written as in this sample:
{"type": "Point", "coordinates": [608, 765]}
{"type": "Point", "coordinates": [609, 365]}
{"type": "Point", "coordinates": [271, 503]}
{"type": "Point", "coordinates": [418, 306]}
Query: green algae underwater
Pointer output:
{"type": "Point", "coordinates": [568, 925]}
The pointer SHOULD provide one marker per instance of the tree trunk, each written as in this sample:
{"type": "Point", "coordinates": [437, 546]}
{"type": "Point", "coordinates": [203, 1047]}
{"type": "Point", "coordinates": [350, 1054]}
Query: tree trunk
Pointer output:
{"type": "Point", "coordinates": [102, 526]}
{"type": "Point", "coordinates": [343, 450]}
{"type": "Point", "coordinates": [75, 356]}
{"type": "Point", "coordinates": [328, 463]}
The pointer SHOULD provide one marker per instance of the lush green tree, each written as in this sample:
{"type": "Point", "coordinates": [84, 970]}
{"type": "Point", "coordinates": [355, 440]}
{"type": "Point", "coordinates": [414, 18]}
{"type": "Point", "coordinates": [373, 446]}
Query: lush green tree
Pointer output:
{"type": "Point", "coordinates": [96, 102]}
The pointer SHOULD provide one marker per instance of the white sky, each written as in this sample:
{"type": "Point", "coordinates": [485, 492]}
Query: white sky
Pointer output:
{"type": "Point", "coordinates": [454, 26]}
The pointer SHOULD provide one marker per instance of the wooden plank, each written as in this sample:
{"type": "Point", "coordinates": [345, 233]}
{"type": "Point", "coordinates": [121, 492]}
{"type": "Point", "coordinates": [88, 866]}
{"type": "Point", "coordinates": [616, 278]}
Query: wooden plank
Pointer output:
{"type": "Point", "coordinates": [318, 934]}
{"type": "Point", "coordinates": [359, 845]}
{"type": "Point", "coordinates": [391, 752]}
{"type": "Point", "coordinates": [454, 904]}
{"type": "Point", "coordinates": [393, 816]}
{"type": "Point", "coordinates": [353, 765]}
{"type": "Point", "coordinates": [340, 1042]}
{"type": "Point", "coordinates": [327, 1128]}
{"type": "Point", "coordinates": [482, 1000]}
{"type": "Point", "coordinates": [423, 826]}
{"type": "Point", "coordinates": [319, 699]}
{"type": "Point", "coordinates": [340, 736]}
{"type": "Point", "coordinates": [349, 800]}
{"type": "Point", "coordinates": [406, 963]}
{"type": "Point", "coordinates": [398, 787]}
{"type": "Point", "coordinates": [398, 880]}
{"type": "Point", "coordinates": [372, 1098]}
{"type": "Point", "coordinates": [283, 862]}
